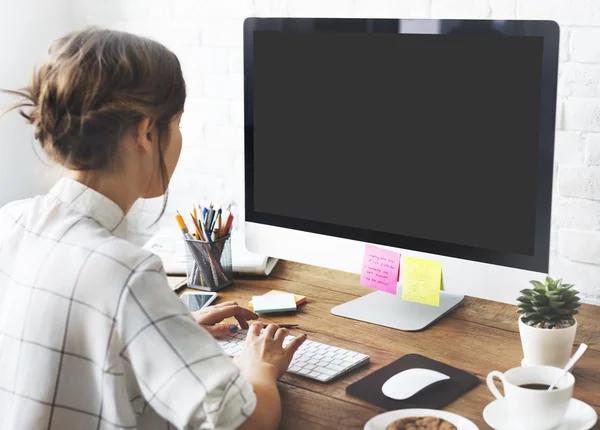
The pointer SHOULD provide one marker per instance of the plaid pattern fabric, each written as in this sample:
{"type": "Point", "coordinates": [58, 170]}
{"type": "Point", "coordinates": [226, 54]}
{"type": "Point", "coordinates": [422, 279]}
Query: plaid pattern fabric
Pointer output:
{"type": "Point", "coordinates": [91, 336]}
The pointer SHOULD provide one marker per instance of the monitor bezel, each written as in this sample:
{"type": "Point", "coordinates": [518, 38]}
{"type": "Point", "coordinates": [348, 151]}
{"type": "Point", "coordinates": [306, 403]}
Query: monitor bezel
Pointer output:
{"type": "Point", "coordinates": [548, 30]}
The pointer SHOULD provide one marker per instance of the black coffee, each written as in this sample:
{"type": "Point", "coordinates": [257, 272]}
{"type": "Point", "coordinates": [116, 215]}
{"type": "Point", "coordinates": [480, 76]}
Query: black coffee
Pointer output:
{"type": "Point", "coordinates": [542, 387]}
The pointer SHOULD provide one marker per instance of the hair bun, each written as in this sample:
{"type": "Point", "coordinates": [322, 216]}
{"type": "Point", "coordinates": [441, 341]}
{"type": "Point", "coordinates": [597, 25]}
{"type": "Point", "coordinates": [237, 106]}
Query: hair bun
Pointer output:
{"type": "Point", "coordinates": [95, 85]}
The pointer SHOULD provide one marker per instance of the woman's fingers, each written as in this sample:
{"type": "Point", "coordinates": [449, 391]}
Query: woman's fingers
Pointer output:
{"type": "Point", "coordinates": [219, 314]}
{"type": "Point", "coordinates": [254, 330]}
{"type": "Point", "coordinates": [220, 305]}
{"type": "Point", "coordinates": [271, 330]}
{"type": "Point", "coordinates": [221, 329]}
{"type": "Point", "coordinates": [281, 334]}
{"type": "Point", "coordinates": [295, 343]}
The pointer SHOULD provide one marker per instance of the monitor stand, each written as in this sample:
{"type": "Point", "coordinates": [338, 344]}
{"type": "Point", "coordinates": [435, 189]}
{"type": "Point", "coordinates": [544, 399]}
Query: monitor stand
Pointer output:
{"type": "Point", "coordinates": [391, 311]}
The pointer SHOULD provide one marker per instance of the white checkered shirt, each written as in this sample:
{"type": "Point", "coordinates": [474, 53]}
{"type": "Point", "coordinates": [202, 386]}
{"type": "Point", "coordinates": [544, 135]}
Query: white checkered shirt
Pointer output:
{"type": "Point", "coordinates": [91, 336]}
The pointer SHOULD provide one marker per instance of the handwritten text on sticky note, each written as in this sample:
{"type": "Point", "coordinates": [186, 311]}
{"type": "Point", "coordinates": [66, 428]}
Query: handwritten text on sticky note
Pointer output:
{"type": "Point", "coordinates": [380, 269]}
{"type": "Point", "coordinates": [422, 281]}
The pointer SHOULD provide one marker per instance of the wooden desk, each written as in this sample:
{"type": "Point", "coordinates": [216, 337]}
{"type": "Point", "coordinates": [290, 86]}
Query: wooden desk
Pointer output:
{"type": "Point", "coordinates": [479, 337]}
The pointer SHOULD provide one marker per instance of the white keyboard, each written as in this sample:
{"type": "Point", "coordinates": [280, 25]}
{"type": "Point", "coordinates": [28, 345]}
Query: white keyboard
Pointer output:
{"type": "Point", "coordinates": [313, 360]}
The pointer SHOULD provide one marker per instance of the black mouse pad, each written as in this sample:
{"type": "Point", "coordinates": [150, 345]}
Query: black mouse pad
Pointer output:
{"type": "Point", "coordinates": [433, 397]}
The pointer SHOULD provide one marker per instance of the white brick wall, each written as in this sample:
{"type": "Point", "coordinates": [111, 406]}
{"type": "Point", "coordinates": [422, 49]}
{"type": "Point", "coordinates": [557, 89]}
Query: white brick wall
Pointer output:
{"type": "Point", "coordinates": [207, 37]}
{"type": "Point", "coordinates": [584, 46]}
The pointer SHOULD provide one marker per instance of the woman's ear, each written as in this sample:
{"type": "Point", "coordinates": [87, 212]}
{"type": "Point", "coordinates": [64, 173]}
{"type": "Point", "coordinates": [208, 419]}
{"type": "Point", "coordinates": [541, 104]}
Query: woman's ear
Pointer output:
{"type": "Point", "coordinates": [145, 134]}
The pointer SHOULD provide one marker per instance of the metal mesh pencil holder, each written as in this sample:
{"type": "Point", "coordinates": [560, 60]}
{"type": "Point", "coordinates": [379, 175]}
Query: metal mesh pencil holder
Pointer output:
{"type": "Point", "coordinates": [208, 264]}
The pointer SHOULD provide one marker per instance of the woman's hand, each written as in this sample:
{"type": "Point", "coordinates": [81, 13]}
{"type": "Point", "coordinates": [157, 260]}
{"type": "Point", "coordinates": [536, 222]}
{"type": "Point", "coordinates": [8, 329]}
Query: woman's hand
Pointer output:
{"type": "Point", "coordinates": [210, 318]}
{"type": "Point", "coordinates": [263, 356]}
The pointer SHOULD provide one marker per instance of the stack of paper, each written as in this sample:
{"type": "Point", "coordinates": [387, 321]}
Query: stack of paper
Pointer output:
{"type": "Point", "coordinates": [298, 298]}
{"type": "Point", "coordinates": [168, 244]}
{"type": "Point", "coordinates": [270, 303]}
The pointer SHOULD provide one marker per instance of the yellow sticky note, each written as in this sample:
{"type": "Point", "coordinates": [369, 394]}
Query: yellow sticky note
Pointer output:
{"type": "Point", "coordinates": [422, 281]}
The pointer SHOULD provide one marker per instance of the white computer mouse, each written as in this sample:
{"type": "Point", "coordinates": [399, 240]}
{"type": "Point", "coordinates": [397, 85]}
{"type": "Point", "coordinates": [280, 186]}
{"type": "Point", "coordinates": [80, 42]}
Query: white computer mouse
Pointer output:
{"type": "Point", "coordinates": [409, 382]}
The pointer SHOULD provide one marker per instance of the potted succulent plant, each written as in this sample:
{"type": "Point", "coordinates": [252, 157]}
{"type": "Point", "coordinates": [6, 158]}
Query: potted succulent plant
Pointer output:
{"type": "Point", "coordinates": [547, 323]}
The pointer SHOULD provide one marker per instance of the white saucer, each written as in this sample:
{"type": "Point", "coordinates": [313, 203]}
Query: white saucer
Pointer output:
{"type": "Point", "coordinates": [381, 421]}
{"type": "Point", "coordinates": [579, 416]}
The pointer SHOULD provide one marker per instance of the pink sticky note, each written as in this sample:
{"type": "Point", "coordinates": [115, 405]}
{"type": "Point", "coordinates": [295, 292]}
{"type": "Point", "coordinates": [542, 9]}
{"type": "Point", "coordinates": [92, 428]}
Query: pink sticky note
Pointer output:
{"type": "Point", "coordinates": [380, 269]}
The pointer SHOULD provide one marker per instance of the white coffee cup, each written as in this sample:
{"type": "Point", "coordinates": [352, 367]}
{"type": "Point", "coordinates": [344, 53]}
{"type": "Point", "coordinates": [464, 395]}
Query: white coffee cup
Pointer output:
{"type": "Point", "coordinates": [529, 408]}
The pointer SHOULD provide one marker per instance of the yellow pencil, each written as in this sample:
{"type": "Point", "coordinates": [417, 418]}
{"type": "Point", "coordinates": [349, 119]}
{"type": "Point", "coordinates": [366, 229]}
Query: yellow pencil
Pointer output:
{"type": "Point", "coordinates": [182, 226]}
{"type": "Point", "coordinates": [199, 234]}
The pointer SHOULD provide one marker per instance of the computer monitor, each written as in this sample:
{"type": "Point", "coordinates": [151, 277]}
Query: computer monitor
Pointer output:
{"type": "Point", "coordinates": [434, 138]}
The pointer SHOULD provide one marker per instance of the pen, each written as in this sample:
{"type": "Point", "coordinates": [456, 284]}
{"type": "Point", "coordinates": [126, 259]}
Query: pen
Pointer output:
{"type": "Point", "coordinates": [210, 216]}
{"type": "Point", "coordinates": [205, 230]}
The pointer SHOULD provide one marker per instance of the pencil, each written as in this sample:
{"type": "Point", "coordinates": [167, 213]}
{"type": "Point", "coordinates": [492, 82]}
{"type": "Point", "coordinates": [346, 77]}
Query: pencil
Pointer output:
{"type": "Point", "coordinates": [205, 230]}
{"type": "Point", "coordinates": [219, 222]}
{"type": "Point", "coordinates": [229, 225]}
{"type": "Point", "coordinates": [199, 234]}
{"type": "Point", "coordinates": [182, 226]}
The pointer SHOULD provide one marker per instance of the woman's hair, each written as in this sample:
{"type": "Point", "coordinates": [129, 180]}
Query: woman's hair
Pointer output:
{"type": "Point", "coordinates": [95, 86]}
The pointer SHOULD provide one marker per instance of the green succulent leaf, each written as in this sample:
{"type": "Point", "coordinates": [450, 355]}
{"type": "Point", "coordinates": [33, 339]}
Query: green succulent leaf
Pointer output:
{"type": "Point", "coordinates": [538, 285]}
{"type": "Point", "coordinates": [525, 308]}
{"type": "Point", "coordinates": [548, 302]}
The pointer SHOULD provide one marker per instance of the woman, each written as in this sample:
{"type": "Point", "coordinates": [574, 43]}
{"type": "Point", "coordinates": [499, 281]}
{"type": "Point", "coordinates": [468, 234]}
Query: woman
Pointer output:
{"type": "Point", "coordinates": [91, 336]}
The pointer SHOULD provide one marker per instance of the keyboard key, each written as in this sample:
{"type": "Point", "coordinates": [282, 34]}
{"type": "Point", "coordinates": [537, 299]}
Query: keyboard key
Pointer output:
{"type": "Point", "coordinates": [313, 360]}
{"type": "Point", "coordinates": [334, 367]}
{"type": "Point", "coordinates": [325, 370]}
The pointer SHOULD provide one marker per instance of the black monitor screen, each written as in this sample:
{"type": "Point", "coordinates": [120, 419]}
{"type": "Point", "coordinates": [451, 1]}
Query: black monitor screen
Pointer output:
{"type": "Point", "coordinates": [428, 136]}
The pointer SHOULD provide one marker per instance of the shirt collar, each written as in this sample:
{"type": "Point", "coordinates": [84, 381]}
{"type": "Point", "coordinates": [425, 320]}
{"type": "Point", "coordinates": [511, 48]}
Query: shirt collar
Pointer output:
{"type": "Point", "coordinates": [91, 203]}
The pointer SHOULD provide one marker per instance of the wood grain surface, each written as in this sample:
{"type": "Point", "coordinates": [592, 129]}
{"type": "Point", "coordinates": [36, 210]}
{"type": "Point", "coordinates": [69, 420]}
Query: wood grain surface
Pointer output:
{"type": "Point", "coordinates": [478, 337]}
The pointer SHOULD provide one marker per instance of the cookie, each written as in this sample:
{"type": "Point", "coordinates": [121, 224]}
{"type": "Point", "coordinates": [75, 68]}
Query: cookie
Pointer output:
{"type": "Point", "coordinates": [420, 423]}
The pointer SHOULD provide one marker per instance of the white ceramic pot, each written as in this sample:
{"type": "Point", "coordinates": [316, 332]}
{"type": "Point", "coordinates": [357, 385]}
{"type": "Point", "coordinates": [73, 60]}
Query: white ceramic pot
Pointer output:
{"type": "Point", "coordinates": [546, 347]}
